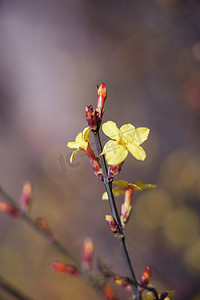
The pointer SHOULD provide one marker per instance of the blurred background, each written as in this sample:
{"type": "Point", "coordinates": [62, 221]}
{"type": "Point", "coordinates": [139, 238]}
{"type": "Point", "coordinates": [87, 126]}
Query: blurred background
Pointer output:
{"type": "Point", "coordinates": [52, 56]}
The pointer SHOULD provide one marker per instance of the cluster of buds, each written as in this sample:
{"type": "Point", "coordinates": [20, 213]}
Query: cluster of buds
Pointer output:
{"type": "Point", "coordinates": [94, 116]}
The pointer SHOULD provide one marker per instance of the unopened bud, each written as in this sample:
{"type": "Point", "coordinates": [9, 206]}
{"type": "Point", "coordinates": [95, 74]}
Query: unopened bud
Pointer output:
{"type": "Point", "coordinates": [26, 196]}
{"type": "Point", "coordinates": [145, 276]}
{"type": "Point", "coordinates": [9, 209]}
{"type": "Point", "coordinates": [125, 214]}
{"type": "Point", "coordinates": [123, 282]}
{"type": "Point", "coordinates": [114, 170]}
{"type": "Point", "coordinates": [87, 254]}
{"type": "Point", "coordinates": [112, 224]}
{"type": "Point", "coordinates": [108, 292]}
{"type": "Point", "coordinates": [42, 225]}
{"type": "Point", "coordinates": [64, 268]}
{"type": "Point", "coordinates": [91, 117]}
{"type": "Point", "coordinates": [101, 96]}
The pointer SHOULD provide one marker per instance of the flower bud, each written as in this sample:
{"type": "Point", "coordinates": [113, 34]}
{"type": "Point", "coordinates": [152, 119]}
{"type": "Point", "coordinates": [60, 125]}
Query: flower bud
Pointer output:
{"type": "Point", "coordinates": [108, 292]}
{"type": "Point", "coordinates": [112, 224]}
{"type": "Point", "coordinates": [114, 170]}
{"type": "Point", "coordinates": [145, 276]}
{"type": "Point", "coordinates": [9, 209]}
{"type": "Point", "coordinates": [101, 96]}
{"type": "Point", "coordinates": [123, 282]}
{"type": "Point", "coordinates": [26, 196]}
{"type": "Point", "coordinates": [91, 117]}
{"type": "Point", "coordinates": [87, 254]}
{"type": "Point", "coordinates": [42, 225]}
{"type": "Point", "coordinates": [64, 268]}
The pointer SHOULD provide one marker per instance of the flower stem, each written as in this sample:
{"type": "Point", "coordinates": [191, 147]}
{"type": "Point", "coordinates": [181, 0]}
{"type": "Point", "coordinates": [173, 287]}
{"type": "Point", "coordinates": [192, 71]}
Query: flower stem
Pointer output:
{"type": "Point", "coordinates": [108, 186]}
{"type": "Point", "coordinates": [9, 288]}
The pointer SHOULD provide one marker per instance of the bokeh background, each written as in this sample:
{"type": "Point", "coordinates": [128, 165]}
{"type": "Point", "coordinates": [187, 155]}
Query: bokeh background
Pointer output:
{"type": "Point", "coordinates": [52, 56]}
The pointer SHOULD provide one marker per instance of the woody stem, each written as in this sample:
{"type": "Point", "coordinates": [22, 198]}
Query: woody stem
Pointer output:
{"type": "Point", "coordinates": [108, 186]}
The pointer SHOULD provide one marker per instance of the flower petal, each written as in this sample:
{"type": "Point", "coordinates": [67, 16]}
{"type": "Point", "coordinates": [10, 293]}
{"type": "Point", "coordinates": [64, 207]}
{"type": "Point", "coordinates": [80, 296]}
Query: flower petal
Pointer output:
{"type": "Point", "coordinates": [105, 196]}
{"type": "Point", "coordinates": [139, 135]}
{"type": "Point", "coordinates": [127, 130]}
{"type": "Point", "coordinates": [72, 156]}
{"type": "Point", "coordinates": [73, 145]}
{"type": "Point", "coordinates": [79, 137]}
{"type": "Point", "coordinates": [110, 129]}
{"type": "Point", "coordinates": [137, 151]}
{"type": "Point", "coordinates": [114, 153]}
{"type": "Point", "coordinates": [121, 183]}
{"type": "Point", "coordinates": [143, 185]}
{"type": "Point", "coordinates": [117, 191]}
{"type": "Point", "coordinates": [86, 134]}
{"type": "Point", "coordinates": [135, 187]}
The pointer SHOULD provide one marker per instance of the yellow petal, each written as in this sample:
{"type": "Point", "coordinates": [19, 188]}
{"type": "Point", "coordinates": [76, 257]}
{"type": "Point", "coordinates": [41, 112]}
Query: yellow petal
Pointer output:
{"type": "Point", "coordinates": [122, 183]}
{"type": "Point", "coordinates": [73, 145]}
{"type": "Point", "coordinates": [143, 185]}
{"type": "Point", "coordinates": [115, 153]}
{"type": "Point", "coordinates": [84, 145]}
{"type": "Point", "coordinates": [86, 134]}
{"type": "Point", "coordinates": [127, 130]}
{"type": "Point", "coordinates": [72, 156]}
{"type": "Point", "coordinates": [135, 187]}
{"type": "Point", "coordinates": [137, 151]}
{"type": "Point", "coordinates": [110, 129]}
{"type": "Point", "coordinates": [118, 191]}
{"type": "Point", "coordinates": [79, 137]}
{"type": "Point", "coordinates": [105, 196]}
{"type": "Point", "coordinates": [139, 135]}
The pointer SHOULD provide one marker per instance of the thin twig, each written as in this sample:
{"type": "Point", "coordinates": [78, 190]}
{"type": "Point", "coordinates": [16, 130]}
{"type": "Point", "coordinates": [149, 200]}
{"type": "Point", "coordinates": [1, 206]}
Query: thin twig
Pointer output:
{"type": "Point", "coordinates": [9, 288]}
{"type": "Point", "coordinates": [92, 280]}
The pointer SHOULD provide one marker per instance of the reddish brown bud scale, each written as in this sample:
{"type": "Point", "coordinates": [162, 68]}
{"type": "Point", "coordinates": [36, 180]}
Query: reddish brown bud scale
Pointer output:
{"type": "Point", "coordinates": [64, 268]}
{"type": "Point", "coordinates": [9, 209]}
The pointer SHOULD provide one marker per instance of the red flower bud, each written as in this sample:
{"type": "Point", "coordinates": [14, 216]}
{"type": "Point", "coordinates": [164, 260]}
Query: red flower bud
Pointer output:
{"type": "Point", "coordinates": [87, 253]}
{"type": "Point", "coordinates": [9, 209]}
{"type": "Point", "coordinates": [26, 196]}
{"type": "Point", "coordinates": [145, 276]}
{"type": "Point", "coordinates": [64, 268]}
{"type": "Point", "coordinates": [112, 224]}
{"type": "Point", "coordinates": [101, 96]}
{"type": "Point", "coordinates": [42, 225]}
{"type": "Point", "coordinates": [108, 292]}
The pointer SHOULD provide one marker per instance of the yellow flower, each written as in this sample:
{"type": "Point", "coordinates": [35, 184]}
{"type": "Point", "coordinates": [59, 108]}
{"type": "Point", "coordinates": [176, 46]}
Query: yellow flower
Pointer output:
{"type": "Point", "coordinates": [81, 142]}
{"type": "Point", "coordinates": [127, 138]}
{"type": "Point", "coordinates": [123, 185]}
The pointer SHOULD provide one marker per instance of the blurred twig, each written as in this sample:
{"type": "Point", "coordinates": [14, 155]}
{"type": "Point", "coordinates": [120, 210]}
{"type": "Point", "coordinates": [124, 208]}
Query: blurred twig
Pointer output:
{"type": "Point", "coordinates": [8, 287]}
